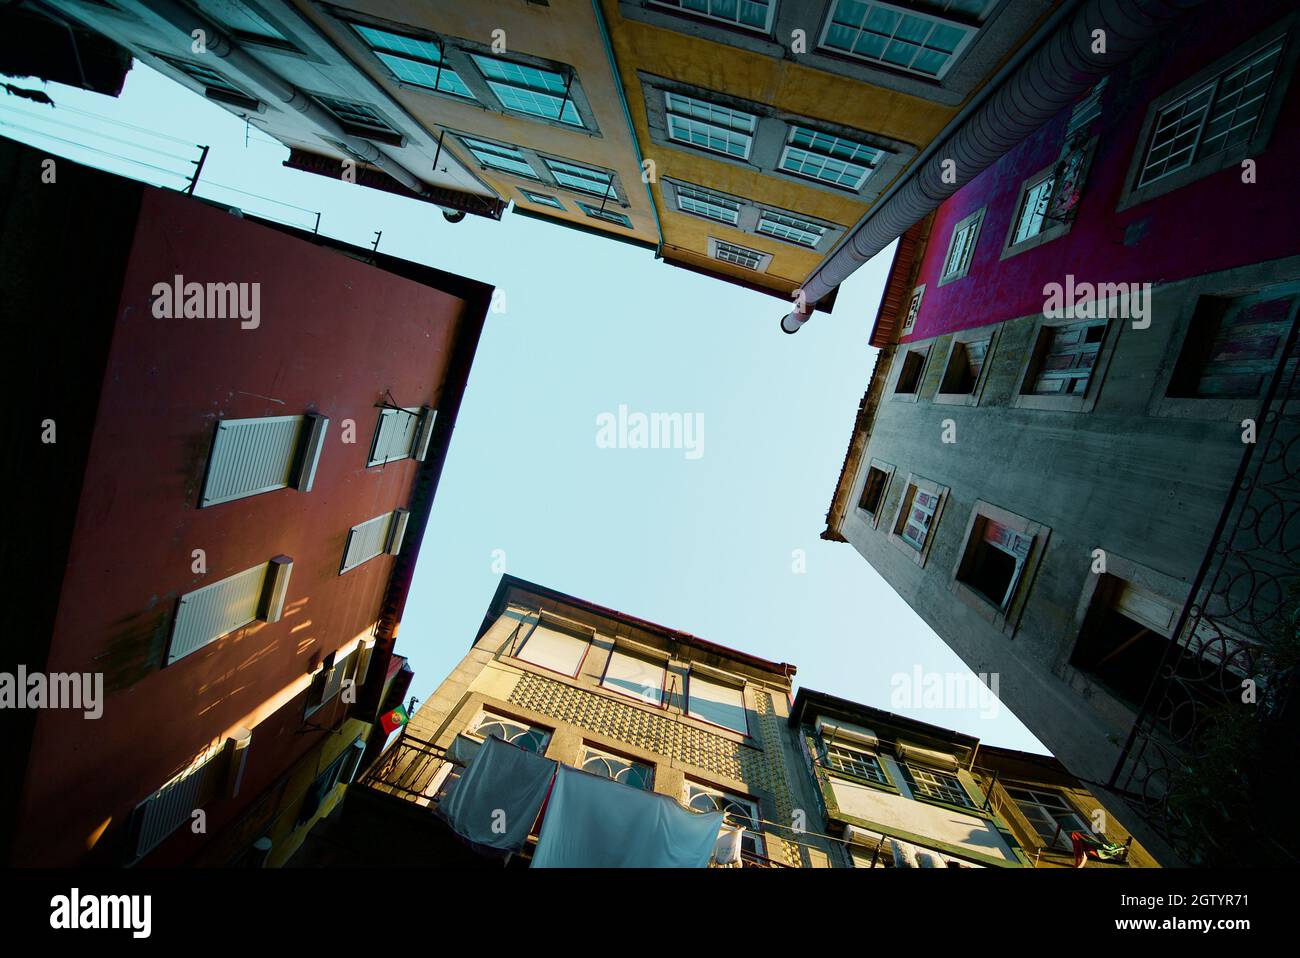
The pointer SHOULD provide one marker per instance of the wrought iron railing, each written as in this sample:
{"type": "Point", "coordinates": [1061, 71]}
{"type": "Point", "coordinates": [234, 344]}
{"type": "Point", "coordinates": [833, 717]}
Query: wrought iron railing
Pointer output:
{"type": "Point", "coordinates": [1232, 642]}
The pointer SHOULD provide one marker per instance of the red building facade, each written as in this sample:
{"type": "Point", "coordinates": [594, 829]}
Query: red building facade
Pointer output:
{"type": "Point", "coordinates": [309, 527]}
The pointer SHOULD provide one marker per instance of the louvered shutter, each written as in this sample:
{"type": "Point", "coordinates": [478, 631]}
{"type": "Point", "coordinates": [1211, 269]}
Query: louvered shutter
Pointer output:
{"type": "Point", "coordinates": [252, 456]}
{"type": "Point", "coordinates": [365, 541]}
{"type": "Point", "coordinates": [206, 614]}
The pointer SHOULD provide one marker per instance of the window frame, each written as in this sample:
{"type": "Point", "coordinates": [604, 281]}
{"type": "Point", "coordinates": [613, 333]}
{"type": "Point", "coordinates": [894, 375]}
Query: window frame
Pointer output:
{"type": "Point", "coordinates": [888, 470]}
{"type": "Point", "coordinates": [613, 217]}
{"type": "Point", "coordinates": [535, 199]}
{"type": "Point", "coordinates": [1287, 29]}
{"type": "Point", "coordinates": [588, 750]}
{"type": "Point", "coordinates": [662, 704]}
{"type": "Point", "coordinates": [1070, 808]}
{"type": "Point", "coordinates": [388, 133]}
{"type": "Point", "coordinates": [1186, 308]}
{"type": "Point", "coordinates": [898, 522]}
{"type": "Point", "coordinates": [676, 9]}
{"type": "Point", "coordinates": [228, 92]}
{"type": "Point", "coordinates": [910, 768]}
{"type": "Point", "coordinates": [1066, 402]}
{"type": "Point", "coordinates": [568, 98]}
{"type": "Point", "coordinates": [970, 33]}
{"type": "Point", "coordinates": [755, 807]}
{"type": "Point", "coordinates": [1005, 618]}
{"type": "Point", "coordinates": [856, 188]}
{"type": "Point", "coordinates": [901, 356]}
{"type": "Point", "coordinates": [727, 132]}
{"type": "Point", "coordinates": [353, 25]}
{"type": "Point", "coordinates": [716, 248]}
{"type": "Point", "coordinates": [713, 679]}
{"type": "Point", "coordinates": [973, 222]}
{"type": "Point", "coordinates": [963, 338]}
{"type": "Point", "coordinates": [573, 631]}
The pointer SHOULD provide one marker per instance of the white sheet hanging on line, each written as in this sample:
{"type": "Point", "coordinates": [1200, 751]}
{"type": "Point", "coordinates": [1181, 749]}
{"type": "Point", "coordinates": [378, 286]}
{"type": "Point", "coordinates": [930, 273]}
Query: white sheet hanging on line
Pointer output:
{"type": "Point", "coordinates": [499, 795]}
{"type": "Point", "coordinates": [593, 822]}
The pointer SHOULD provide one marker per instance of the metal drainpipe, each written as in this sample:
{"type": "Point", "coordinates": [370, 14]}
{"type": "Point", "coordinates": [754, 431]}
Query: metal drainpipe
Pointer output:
{"type": "Point", "coordinates": [1054, 76]}
{"type": "Point", "coordinates": [627, 115]}
{"type": "Point", "coordinates": [220, 45]}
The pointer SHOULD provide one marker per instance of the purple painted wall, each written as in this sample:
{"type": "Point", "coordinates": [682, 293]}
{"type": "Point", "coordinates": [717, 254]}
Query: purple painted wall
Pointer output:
{"type": "Point", "coordinates": [1215, 223]}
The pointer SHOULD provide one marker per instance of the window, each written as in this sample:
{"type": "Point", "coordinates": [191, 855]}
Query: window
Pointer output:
{"type": "Point", "coordinates": [252, 456]}
{"type": "Point", "coordinates": [524, 89]}
{"type": "Point", "coordinates": [750, 14]}
{"type": "Point", "coordinates": [328, 680]}
{"type": "Point", "coordinates": [553, 649]}
{"type": "Point", "coordinates": [466, 745]}
{"type": "Point", "coordinates": [1216, 116]}
{"type": "Point", "coordinates": [716, 703]}
{"type": "Point", "coordinates": [401, 433]}
{"type": "Point", "coordinates": [909, 375]}
{"type": "Point", "coordinates": [216, 610]}
{"type": "Point", "coordinates": [916, 515]}
{"type": "Point", "coordinates": [487, 725]}
{"type": "Point", "coordinates": [829, 159]}
{"type": "Point", "coordinates": [913, 309]}
{"type": "Point", "coordinates": [961, 247]}
{"type": "Point", "coordinates": [1125, 638]}
{"type": "Point", "coordinates": [738, 255]}
{"type": "Point", "coordinates": [172, 805]}
{"type": "Point", "coordinates": [965, 362]}
{"type": "Point", "coordinates": [1050, 814]}
{"type": "Point", "coordinates": [1000, 554]}
{"type": "Point", "coordinates": [1064, 358]}
{"type": "Point", "coordinates": [923, 38]}
{"type": "Point", "coordinates": [359, 119]}
{"type": "Point", "coordinates": [415, 61]}
{"type": "Point", "coordinates": [790, 228]}
{"type": "Point", "coordinates": [243, 21]}
{"type": "Point", "coordinates": [994, 560]}
{"type": "Point", "coordinates": [737, 811]}
{"type": "Point", "coordinates": [873, 491]}
{"type": "Point", "coordinates": [616, 767]}
{"type": "Point", "coordinates": [934, 784]}
{"type": "Point", "coordinates": [855, 761]}
{"type": "Point", "coordinates": [710, 205]}
{"type": "Point", "coordinates": [542, 199]}
{"type": "Point", "coordinates": [709, 127]}
{"type": "Point", "coordinates": [1032, 211]}
{"type": "Point", "coordinates": [635, 676]}
{"type": "Point", "coordinates": [609, 216]}
{"type": "Point", "coordinates": [879, 854]}
{"type": "Point", "coordinates": [374, 537]}
{"type": "Point", "coordinates": [582, 179]}
{"type": "Point", "coordinates": [215, 86]}
{"type": "Point", "coordinates": [1235, 344]}
{"type": "Point", "coordinates": [342, 770]}
{"type": "Point", "coordinates": [505, 159]}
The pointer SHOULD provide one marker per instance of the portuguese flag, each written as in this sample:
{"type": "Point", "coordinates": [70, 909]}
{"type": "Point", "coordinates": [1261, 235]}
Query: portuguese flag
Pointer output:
{"type": "Point", "coordinates": [394, 719]}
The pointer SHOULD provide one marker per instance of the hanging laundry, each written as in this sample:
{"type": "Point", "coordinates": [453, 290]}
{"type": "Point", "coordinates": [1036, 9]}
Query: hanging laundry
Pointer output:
{"type": "Point", "coordinates": [1089, 846]}
{"type": "Point", "coordinates": [726, 851]}
{"type": "Point", "coordinates": [496, 801]}
{"type": "Point", "coordinates": [593, 822]}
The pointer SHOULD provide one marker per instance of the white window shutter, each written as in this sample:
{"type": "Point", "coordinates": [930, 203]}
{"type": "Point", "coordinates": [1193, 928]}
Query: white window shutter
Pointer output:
{"type": "Point", "coordinates": [168, 808]}
{"type": "Point", "coordinates": [398, 533]}
{"type": "Point", "coordinates": [424, 433]}
{"type": "Point", "coordinates": [395, 435]}
{"type": "Point", "coordinates": [309, 455]}
{"type": "Point", "coordinates": [365, 541]}
{"type": "Point", "coordinates": [206, 614]}
{"type": "Point", "coordinates": [251, 456]}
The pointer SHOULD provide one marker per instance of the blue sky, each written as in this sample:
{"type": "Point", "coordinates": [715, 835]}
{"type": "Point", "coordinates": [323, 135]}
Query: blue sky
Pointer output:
{"type": "Point", "coordinates": [706, 545]}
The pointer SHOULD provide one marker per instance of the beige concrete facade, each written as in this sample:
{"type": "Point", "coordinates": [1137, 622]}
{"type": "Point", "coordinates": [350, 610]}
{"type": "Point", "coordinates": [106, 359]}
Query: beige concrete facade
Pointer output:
{"type": "Point", "coordinates": [761, 768]}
